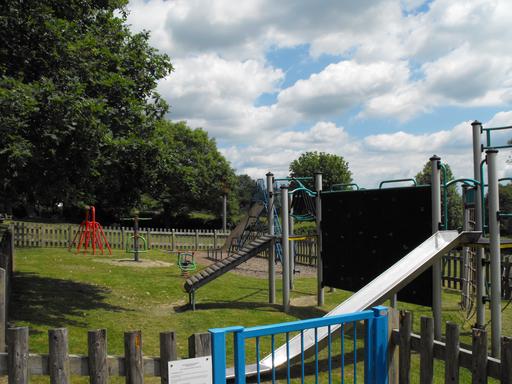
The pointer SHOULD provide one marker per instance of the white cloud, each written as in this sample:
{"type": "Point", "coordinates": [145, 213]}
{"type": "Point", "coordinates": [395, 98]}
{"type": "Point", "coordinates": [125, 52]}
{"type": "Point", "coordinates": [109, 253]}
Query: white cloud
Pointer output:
{"type": "Point", "coordinates": [371, 159]}
{"type": "Point", "coordinates": [395, 63]}
{"type": "Point", "coordinates": [218, 94]}
{"type": "Point", "coordinates": [342, 86]}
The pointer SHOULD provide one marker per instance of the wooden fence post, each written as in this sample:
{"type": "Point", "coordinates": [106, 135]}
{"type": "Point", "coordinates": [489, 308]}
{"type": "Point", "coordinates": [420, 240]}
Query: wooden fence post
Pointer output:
{"type": "Point", "coordinates": [404, 355]}
{"type": "Point", "coordinates": [97, 347]}
{"type": "Point", "coordinates": [168, 352]}
{"type": "Point", "coordinates": [58, 359]}
{"type": "Point", "coordinates": [214, 239]}
{"type": "Point", "coordinates": [173, 240]}
{"type": "Point", "coordinates": [393, 323]}
{"type": "Point", "coordinates": [134, 368]}
{"type": "Point", "coordinates": [479, 352]}
{"type": "Point", "coordinates": [17, 355]}
{"type": "Point", "coordinates": [3, 308]}
{"type": "Point", "coordinates": [451, 358]}
{"type": "Point", "coordinates": [197, 240]}
{"type": "Point", "coordinates": [199, 344]}
{"type": "Point", "coordinates": [506, 360]}
{"type": "Point", "coordinates": [427, 351]}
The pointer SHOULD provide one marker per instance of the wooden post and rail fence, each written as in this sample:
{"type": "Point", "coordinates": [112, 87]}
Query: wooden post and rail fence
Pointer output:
{"type": "Point", "coordinates": [19, 364]}
{"type": "Point", "coordinates": [30, 234]}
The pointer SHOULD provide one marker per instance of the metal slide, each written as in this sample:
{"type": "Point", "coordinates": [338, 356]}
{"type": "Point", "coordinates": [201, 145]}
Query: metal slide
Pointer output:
{"type": "Point", "coordinates": [375, 292]}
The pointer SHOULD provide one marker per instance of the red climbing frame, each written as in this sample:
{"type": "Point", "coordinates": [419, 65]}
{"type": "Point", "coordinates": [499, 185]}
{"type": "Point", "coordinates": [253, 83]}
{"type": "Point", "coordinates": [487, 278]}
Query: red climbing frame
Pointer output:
{"type": "Point", "coordinates": [90, 234]}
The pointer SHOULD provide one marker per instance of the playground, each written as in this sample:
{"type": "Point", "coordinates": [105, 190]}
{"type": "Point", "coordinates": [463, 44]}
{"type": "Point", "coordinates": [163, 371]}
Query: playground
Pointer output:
{"type": "Point", "coordinates": [252, 287]}
{"type": "Point", "coordinates": [59, 289]}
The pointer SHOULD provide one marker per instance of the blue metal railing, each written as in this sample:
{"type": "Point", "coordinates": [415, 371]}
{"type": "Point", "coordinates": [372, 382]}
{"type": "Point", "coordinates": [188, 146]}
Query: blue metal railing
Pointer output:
{"type": "Point", "coordinates": [308, 334]}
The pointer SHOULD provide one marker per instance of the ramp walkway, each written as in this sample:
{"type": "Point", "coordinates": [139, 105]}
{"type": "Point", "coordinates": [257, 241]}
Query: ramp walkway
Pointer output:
{"type": "Point", "coordinates": [375, 292]}
{"type": "Point", "coordinates": [219, 268]}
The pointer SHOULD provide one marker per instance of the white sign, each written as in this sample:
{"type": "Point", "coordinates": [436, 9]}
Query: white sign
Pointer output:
{"type": "Point", "coordinates": [191, 371]}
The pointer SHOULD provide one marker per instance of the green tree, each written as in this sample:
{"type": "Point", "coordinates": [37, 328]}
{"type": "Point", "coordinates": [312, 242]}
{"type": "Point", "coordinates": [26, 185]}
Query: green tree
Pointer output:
{"type": "Point", "coordinates": [245, 189]}
{"type": "Point", "coordinates": [455, 204]}
{"type": "Point", "coordinates": [333, 167]}
{"type": "Point", "coordinates": [78, 105]}
{"type": "Point", "coordinates": [506, 206]}
{"type": "Point", "coordinates": [191, 173]}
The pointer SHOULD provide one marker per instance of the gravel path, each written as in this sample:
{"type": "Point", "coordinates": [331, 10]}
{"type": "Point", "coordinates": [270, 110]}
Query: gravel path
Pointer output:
{"type": "Point", "coordinates": [258, 267]}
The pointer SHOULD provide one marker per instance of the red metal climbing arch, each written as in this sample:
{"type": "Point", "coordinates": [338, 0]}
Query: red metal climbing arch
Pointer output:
{"type": "Point", "coordinates": [90, 234]}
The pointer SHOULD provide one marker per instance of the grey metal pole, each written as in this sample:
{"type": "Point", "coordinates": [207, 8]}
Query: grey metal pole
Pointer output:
{"type": "Point", "coordinates": [224, 211]}
{"type": "Point", "coordinates": [285, 242]}
{"type": "Point", "coordinates": [319, 264]}
{"type": "Point", "coordinates": [271, 254]}
{"type": "Point", "coordinates": [480, 281]}
{"type": "Point", "coordinates": [436, 268]}
{"type": "Point", "coordinates": [465, 274]}
{"type": "Point", "coordinates": [292, 244]}
{"type": "Point", "coordinates": [494, 247]}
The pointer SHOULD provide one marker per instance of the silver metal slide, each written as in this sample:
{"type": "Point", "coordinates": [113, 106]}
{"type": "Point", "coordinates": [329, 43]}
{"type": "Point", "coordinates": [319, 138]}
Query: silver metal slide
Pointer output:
{"type": "Point", "coordinates": [378, 290]}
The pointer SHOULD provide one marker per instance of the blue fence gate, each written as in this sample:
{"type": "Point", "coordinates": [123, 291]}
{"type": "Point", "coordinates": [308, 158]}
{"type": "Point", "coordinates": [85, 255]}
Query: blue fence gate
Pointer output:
{"type": "Point", "coordinates": [314, 350]}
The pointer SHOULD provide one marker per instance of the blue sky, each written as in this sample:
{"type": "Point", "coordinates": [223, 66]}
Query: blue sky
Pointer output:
{"type": "Point", "coordinates": [383, 83]}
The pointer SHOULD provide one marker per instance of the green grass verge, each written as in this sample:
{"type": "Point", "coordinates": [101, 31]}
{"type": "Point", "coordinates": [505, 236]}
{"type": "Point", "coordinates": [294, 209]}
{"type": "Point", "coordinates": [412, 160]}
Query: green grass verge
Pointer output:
{"type": "Point", "coordinates": [54, 288]}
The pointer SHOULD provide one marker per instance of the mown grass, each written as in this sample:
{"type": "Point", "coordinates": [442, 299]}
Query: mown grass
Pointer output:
{"type": "Point", "coordinates": [54, 288]}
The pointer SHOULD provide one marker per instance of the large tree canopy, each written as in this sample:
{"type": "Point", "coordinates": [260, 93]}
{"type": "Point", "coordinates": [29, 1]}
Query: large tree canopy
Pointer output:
{"type": "Point", "coordinates": [78, 98]}
{"type": "Point", "coordinates": [333, 167]}
{"type": "Point", "coordinates": [80, 121]}
{"type": "Point", "coordinates": [455, 205]}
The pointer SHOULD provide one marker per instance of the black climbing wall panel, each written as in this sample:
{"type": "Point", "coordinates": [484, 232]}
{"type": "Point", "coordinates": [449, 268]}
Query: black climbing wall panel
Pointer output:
{"type": "Point", "coordinates": [365, 232]}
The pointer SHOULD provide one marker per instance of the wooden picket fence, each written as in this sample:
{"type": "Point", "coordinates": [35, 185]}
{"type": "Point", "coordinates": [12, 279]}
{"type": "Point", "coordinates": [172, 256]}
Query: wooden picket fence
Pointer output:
{"type": "Point", "coordinates": [474, 358]}
{"type": "Point", "coordinates": [19, 364]}
{"type": "Point", "coordinates": [28, 234]}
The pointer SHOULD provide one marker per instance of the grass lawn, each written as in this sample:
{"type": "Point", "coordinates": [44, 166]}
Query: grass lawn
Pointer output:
{"type": "Point", "coordinates": [54, 288]}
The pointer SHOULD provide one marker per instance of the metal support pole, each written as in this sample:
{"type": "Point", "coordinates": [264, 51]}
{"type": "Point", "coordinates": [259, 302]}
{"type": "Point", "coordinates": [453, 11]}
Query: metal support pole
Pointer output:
{"type": "Point", "coordinates": [319, 264]}
{"type": "Point", "coordinates": [479, 257]}
{"type": "Point", "coordinates": [292, 244]}
{"type": "Point", "coordinates": [224, 211]}
{"type": "Point", "coordinates": [285, 241]}
{"type": "Point", "coordinates": [271, 253]}
{"type": "Point", "coordinates": [465, 272]}
{"type": "Point", "coordinates": [494, 247]}
{"type": "Point", "coordinates": [436, 268]}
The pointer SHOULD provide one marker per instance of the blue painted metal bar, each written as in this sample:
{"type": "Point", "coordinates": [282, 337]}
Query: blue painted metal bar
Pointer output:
{"type": "Point", "coordinates": [496, 128]}
{"type": "Point", "coordinates": [344, 187]}
{"type": "Point", "coordinates": [342, 353]}
{"type": "Point", "coordinates": [397, 181]}
{"type": "Point", "coordinates": [375, 347]}
{"type": "Point", "coordinates": [302, 355]}
{"type": "Point", "coordinates": [239, 358]}
{"type": "Point", "coordinates": [258, 373]}
{"type": "Point", "coordinates": [368, 352]}
{"type": "Point", "coordinates": [273, 347]}
{"type": "Point", "coordinates": [287, 357]}
{"type": "Point", "coordinates": [296, 326]}
{"type": "Point", "coordinates": [380, 345]}
{"type": "Point", "coordinates": [354, 335]}
{"type": "Point", "coordinates": [329, 357]}
{"type": "Point", "coordinates": [316, 355]}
